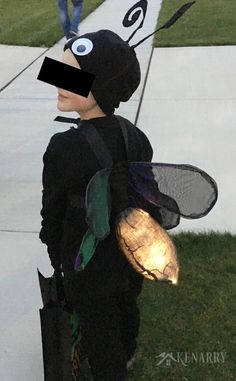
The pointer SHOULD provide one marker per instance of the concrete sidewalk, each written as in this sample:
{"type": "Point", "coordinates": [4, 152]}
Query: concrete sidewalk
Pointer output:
{"type": "Point", "coordinates": [189, 111]}
{"type": "Point", "coordinates": [28, 108]}
{"type": "Point", "coordinates": [14, 60]}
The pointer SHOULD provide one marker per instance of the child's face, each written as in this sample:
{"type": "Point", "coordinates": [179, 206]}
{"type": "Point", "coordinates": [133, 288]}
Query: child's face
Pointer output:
{"type": "Point", "coordinates": [68, 101]}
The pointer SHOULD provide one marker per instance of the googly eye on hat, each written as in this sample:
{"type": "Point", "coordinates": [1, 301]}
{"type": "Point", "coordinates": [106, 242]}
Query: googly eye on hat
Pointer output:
{"type": "Point", "coordinates": [82, 46]}
{"type": "Point", "coordinates": [112, 60]}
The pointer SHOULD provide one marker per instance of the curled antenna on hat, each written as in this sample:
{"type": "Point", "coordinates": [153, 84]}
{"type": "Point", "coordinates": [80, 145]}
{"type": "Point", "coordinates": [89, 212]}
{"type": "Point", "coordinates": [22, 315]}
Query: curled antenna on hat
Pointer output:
{"type": "Point", "coordinates": [179, 13]}
{"type": "Point", "coordinates": [133, 15]}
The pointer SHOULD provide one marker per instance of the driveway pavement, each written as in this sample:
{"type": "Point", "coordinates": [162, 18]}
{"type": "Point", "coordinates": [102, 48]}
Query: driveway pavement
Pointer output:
{"type": "Point", "coordinates": [14, 60]}
{"type": "Point", "coordinates": [189, 111]}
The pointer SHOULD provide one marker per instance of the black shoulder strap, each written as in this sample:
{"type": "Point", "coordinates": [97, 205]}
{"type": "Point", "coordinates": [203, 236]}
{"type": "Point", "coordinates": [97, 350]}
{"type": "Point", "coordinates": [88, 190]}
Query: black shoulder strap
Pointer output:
{"type": "Point", "coordinates": [131, 149]}
{"type": "Point", "coordinates": [125, 136]}
{"type": "Point", "coordinates": [100, 149]}
{"type": "Point", "coordinates": [98, 146]}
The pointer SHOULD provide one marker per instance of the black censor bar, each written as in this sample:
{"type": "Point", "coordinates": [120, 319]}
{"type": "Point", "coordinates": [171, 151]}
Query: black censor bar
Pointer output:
{"type": "Point", "coordinates": [66, 77]}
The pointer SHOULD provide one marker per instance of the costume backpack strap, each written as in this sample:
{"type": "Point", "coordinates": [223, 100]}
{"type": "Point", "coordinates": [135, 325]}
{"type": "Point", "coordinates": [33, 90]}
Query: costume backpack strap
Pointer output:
{"type": "Point", "coordinates": [90, 240]}
{"type": "Point", "coordinates": [98, 146]}
{"type": "Point", "coordinates": [131, 140]}
{"type": "Point", "coordinates": [100, 150]}
{"type": "Point", "coordinates": [125, 135]}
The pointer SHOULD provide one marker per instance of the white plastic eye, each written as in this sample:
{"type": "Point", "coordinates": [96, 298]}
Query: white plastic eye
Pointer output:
{"type": "Point", "coordinates": [82, 46]}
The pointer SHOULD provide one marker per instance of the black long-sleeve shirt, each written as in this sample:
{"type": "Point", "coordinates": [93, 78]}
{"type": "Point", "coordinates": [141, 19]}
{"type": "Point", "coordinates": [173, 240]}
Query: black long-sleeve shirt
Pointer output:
{"type": "Point", "coordinates": [69, 164]}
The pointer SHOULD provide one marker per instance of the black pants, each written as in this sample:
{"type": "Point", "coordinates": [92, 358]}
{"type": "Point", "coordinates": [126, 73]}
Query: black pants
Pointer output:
{"type": "Point", "coordinates": [109, 328]}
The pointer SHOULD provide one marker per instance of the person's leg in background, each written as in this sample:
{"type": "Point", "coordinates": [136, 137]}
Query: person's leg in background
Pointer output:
{"type": "Point", "coordinates": [64, 18]}
{"type": "Point", "coordinates": [78, 7]}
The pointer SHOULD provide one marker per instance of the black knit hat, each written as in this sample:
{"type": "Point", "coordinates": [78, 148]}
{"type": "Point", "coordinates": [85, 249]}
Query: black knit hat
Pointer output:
{"type": "Point", "coordinates": [112, 61]}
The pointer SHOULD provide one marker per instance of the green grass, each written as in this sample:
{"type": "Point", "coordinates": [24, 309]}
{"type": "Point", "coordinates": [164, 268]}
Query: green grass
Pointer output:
{"type": "Point", "coordinates": [196, 316]}
{"type": "Point", "coordinates": [207, 22]}
{"type": "Point", "coordinates": [34, 23]}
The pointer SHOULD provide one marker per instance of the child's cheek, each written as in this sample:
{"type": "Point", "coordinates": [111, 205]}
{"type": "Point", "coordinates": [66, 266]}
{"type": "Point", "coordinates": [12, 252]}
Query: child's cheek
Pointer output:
{"type": "Point", "coordinates": [83, 103]}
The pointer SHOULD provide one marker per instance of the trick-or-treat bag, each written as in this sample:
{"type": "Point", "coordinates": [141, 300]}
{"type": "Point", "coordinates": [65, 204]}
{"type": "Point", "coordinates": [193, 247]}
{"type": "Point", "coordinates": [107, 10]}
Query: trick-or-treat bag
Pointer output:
{"type": "Point", "coordinates": [60, 332]}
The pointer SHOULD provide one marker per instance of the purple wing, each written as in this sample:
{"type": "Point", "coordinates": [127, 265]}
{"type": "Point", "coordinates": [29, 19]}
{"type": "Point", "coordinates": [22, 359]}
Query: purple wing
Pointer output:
{"type": "Point", "coordinates": [174, 189]}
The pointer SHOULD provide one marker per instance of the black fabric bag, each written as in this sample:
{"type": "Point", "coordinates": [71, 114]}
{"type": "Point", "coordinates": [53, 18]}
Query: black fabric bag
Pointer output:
{"type": "Point", "coordinates": [60, 334]}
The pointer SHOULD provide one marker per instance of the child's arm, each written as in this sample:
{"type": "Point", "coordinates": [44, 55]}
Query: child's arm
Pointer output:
{"type": "Point", "coordinates": [53, 202]}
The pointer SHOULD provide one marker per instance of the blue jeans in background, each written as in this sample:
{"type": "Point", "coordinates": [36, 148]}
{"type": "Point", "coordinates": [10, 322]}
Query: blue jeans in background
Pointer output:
{"type": "Point", "coordinates": [68, 25]}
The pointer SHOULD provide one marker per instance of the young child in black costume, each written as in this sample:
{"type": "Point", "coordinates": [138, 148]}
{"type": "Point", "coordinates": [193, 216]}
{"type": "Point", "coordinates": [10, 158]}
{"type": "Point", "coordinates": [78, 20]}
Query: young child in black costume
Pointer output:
{"type": "Point", "coordinates": [104, 294]}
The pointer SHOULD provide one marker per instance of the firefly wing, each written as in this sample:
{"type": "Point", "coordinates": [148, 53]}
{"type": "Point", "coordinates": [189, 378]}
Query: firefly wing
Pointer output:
{"type": "Point", "coordinates": [166, 191]}
{"type": "Point", "coordinates": [98, 204]}
{"type": "Point", "coordinates": [176, 189]}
